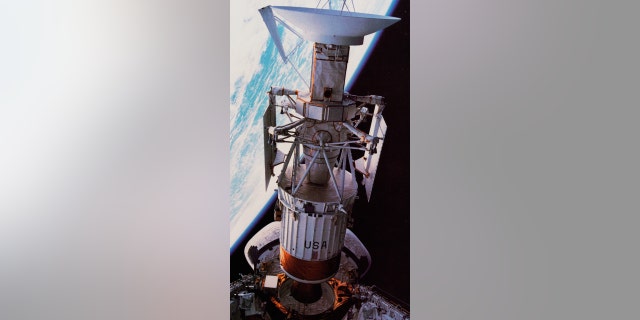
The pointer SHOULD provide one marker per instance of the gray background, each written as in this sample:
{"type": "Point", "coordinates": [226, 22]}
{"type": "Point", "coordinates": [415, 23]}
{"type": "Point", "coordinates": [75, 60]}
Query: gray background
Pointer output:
{"type": "Point", "coordinates": [114, 131]}
{"type": "Point", "coordinates": [524, 160]}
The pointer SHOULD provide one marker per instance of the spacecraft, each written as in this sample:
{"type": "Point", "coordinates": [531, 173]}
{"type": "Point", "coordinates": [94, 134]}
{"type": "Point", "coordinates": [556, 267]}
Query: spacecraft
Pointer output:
{"type": "Point", "coordinates": [307, 263]}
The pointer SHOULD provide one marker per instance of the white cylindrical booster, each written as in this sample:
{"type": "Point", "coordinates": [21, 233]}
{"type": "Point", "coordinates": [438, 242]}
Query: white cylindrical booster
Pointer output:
{"type": "Point", "coordinates": [310, 236]}
{"type": "Point", "coordinates": [313, 227]}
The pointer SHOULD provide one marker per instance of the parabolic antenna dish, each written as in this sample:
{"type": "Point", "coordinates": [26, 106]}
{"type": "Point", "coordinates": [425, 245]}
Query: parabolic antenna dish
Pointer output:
{"type": "Point", "coordinates": [333, 26]}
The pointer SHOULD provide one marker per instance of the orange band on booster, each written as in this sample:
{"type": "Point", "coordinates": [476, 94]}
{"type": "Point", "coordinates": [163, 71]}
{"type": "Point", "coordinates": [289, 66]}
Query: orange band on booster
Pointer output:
{"type": "Point", "coordinates": [309, 270]}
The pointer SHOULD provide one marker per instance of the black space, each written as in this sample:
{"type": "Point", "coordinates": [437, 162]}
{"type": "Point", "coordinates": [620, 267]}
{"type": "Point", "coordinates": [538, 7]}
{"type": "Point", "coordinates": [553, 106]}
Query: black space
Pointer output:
{"type": "Point", "coordinates": [382, 224]}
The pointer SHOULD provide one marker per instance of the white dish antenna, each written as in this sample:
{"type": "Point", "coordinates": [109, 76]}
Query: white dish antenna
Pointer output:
{"type": "Point", "coordinates": [333, 26]}
{"type": "Point", "coordinates": [327, 26]}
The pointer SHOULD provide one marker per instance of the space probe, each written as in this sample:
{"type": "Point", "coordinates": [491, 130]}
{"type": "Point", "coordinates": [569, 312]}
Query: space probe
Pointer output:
{"type": "Point", "coordinates": [307, 263]}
